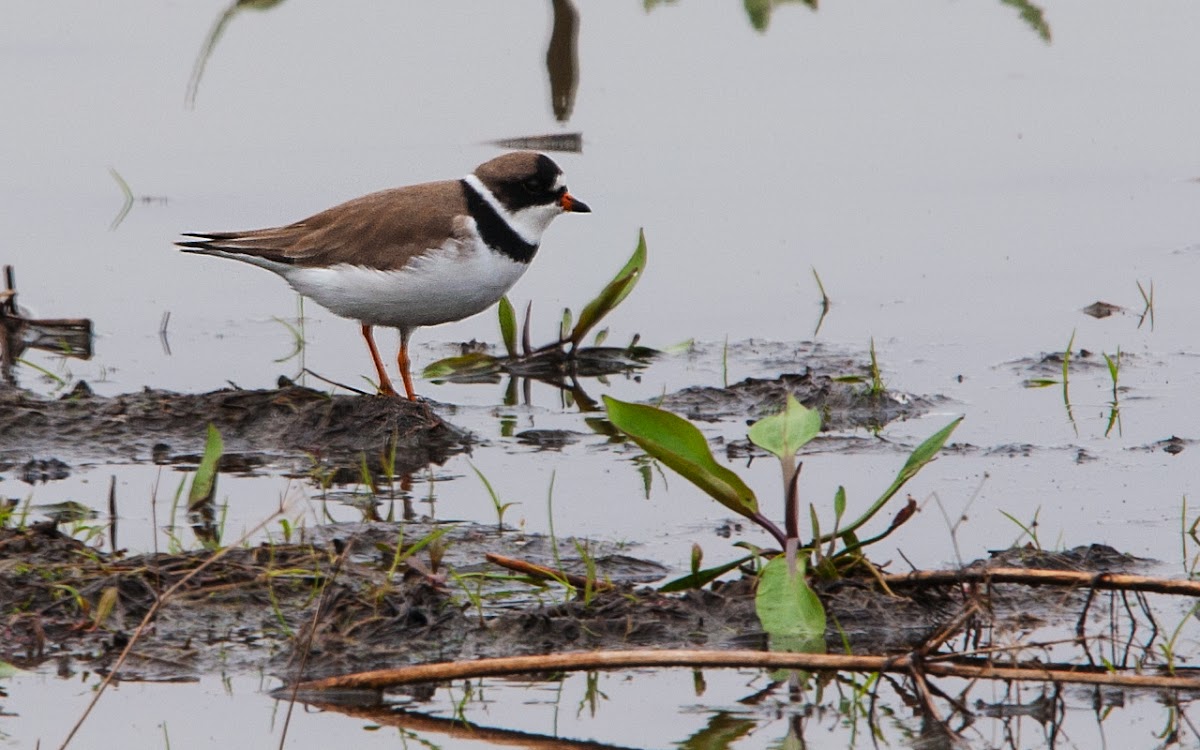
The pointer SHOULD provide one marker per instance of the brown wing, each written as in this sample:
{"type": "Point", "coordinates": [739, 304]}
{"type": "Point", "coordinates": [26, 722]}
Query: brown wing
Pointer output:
{"type": "Point", "coordinates": [384, 230]}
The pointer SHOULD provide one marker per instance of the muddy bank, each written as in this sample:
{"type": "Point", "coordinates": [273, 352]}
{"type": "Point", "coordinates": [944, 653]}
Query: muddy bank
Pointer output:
{"type": "Point", "coordinates": [352, 601]}
{"type": "Point", "coordinates": [843, 405]}
{"type": "Point", "coordinates": [265, 427]}
{"type": "Point", "coordinates": [261, 426]}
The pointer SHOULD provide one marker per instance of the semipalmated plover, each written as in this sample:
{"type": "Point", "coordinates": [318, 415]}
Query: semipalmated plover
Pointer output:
{"type": "Point", "coordinates": [412, 256]}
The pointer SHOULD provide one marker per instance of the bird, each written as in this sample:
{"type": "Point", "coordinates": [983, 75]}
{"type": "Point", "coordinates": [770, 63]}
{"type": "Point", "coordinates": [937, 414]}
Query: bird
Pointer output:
{"type": "Point", "coordinates": [413, 256]}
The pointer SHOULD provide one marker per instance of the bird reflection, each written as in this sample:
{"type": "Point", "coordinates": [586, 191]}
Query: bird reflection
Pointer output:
{"type": "Point", "coordinates": [562, 58]}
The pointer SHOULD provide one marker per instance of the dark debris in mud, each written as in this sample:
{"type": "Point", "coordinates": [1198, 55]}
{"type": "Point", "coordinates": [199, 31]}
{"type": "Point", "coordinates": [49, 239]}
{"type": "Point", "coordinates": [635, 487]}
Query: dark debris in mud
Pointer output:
{"type": "Point", "coordinates": [1051, 364]}
{"type": "Point", "coordinates": [1173, 445]}
{"type": "Point", "coordinates": [258, 426]}
{"type": "Point", "coordinates": [1094, 558]}
{"type": "Point", "coordinates": [842, 404]}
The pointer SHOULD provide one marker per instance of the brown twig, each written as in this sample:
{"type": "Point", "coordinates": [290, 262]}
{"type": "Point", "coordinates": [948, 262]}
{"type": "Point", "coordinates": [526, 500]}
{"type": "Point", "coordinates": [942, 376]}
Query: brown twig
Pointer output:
{"type": "Point", "coordinates": [543, 573]}
{"type": "Point", "coordinates": [306, 641]}
{"type": "Point", "coordinates": [334, 383]}
{"type": "Point", "coordinates": [590, 660]}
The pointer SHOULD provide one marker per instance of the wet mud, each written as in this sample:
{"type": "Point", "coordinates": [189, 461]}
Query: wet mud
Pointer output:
{"type": "Point", "coordinates": [258, 427]}
{"type": "Point", "coordinates": [342, 602]}
{"type": "Point", "coordinates": [355, 596]}
{"type": "Point", "coordinates": [273, 427]}
{"type": "Point", "coordinates": [843, 404]}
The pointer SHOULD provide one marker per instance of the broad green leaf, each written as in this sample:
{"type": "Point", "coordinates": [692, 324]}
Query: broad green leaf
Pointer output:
{"type": "Point", "coordinates": [786, 432]}
{"type": "Point", "coordinates": [839, 502]}
{"type": "Point", "coordinates": [677, 443]}
{"type": "Point", "coordinates": [508, 325]}
{"type": "Point", "coordinates": [786, 606]}
{"type": "Point", "coordinates": [204, 484]}
{"type": "Point", "coordinates": [612, 295]}
{"type": "Point", "coordinates": [475, 363]}
{"type": "Point", "coordinates": [702, 578]}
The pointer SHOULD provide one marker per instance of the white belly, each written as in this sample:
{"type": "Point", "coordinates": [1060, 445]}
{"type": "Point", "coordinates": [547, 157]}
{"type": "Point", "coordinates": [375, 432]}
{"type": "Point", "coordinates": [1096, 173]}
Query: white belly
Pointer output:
{"type": "Point", "coordinates": [443, 285]}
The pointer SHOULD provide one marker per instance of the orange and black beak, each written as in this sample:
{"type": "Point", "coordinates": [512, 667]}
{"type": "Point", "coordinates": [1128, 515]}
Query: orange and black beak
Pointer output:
{"type": "Point", "coordinates": [571, 204]}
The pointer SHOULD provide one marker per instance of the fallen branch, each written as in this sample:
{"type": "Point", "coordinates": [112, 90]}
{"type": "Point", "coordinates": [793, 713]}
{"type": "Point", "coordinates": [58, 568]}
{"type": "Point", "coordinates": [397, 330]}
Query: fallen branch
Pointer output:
{"type": "Point", "coordinates": [589, 660]}
{"type": "Point", "coordinates": [1039, 577]}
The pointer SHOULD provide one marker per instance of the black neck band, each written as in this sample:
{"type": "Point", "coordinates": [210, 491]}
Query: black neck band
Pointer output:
{"type": "Point", "coordinates": [495, 231]}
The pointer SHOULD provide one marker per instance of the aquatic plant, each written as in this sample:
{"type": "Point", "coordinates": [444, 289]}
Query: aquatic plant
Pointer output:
{"type": "Point", "coordinates": [785, 603]}
{"type": "Point", "coordinates": [566, 354]}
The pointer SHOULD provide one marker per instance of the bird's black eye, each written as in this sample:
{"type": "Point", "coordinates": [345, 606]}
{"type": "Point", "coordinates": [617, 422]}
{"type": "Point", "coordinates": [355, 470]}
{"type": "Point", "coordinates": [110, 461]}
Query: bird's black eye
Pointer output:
{"type": "Point", "coordinates": [532, 185]}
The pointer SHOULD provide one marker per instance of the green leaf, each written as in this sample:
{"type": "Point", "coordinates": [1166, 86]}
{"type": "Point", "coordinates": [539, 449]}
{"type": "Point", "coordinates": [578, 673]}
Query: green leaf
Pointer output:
{"type": "Point", "coordinates": [1040, 382]}
{"type": "Point", "coordinates": [702, 577]}
{"type": "Point", "coordinates": [786, 606]}
{"type": "Point", "coordinates": [839, 502]}
{"type": "Point", "coordinates": [508, 325]}
{"type": "Point", "coordinates": [786, 432]}
{"type": "Point", "coordinates": [677, 443]}
{"type": "Point", "coordinates": [1113, 363]}
{"type": "Point", "coordinates": [612, 295]}
{"type": "Point", "coordinates": [564, 327]}
{"type": "Point", "coordinates": [921, 455]}
{"type": "Point", "coordinates": [925, 452]}
{"type": "Point", "coordinates": [1033, 16]}
{"type": "Point", "coordinates": [204, 484]}
{"type": "Point", "coordinates": [475, 363]}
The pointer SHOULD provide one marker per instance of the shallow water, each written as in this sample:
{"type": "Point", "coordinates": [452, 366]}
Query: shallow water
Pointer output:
{"type": "Point", "coordinates": [963, 187]}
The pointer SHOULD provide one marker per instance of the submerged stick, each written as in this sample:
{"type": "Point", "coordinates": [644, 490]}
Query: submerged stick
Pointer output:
{"type": "Point", "coordinates": [580, 661]}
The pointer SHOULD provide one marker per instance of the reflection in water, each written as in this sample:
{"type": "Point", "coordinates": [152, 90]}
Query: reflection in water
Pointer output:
{"type": "Point", "coordinates": [567, 142]}
{"type": "Point", "coordinates": [1033, 16]}
{"type": "Point", "coordinates": [211, 42]}
{"type": "Point", "coordinates": [562, 59]}
{"type": "Point", "coordinates": [759, 12]}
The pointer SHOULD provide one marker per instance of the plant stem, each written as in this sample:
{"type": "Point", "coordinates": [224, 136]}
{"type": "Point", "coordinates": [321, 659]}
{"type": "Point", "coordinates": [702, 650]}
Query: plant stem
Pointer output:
{"type": "Point", "coordinates": [791, 511]}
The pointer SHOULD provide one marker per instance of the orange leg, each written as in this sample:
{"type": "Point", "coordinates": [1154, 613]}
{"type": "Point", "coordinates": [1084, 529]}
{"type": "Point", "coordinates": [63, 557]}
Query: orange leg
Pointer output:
{"type": "Point", "coordinates": [385, 383]}
{"type": "Point", "coordinates": [403, 361]}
